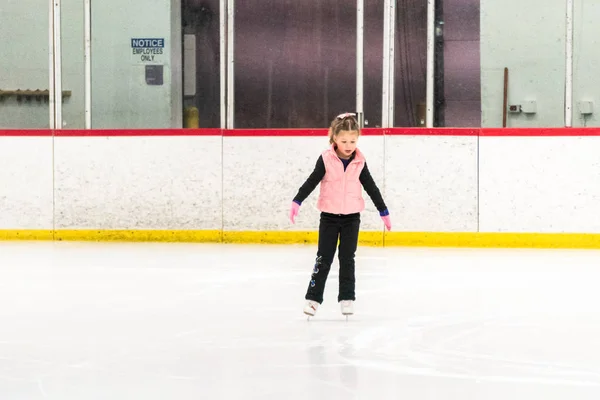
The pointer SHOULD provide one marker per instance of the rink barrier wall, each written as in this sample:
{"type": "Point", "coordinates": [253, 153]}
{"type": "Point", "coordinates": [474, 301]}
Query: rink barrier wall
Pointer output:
{"type": "Point", "coordinates": [320, 132]}
{"type": "Point", "coordinates": [463, 187]}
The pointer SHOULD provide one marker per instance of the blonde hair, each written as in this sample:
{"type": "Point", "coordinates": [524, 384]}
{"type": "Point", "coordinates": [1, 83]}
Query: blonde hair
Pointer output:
{"type": "Point", "coordinates": [343, 122]}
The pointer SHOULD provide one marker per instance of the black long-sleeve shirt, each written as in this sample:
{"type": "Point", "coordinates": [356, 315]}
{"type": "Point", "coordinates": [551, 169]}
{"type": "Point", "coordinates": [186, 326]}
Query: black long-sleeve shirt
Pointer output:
{"type": "Point", "coordinates": [365, 179]}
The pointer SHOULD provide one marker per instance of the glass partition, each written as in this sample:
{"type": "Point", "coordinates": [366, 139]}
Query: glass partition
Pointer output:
{"type": "Point", "coordinates": [24, 81]}
{"type": "Point", "coordinates": [458, 77]}
{"type": "Point", "coordinates": [295, 62]}
{"type": "Point", "coordinates": [410, 61]}
{"type": "Point", "coordinates": [373, 62]}
{"type": "Point", "coordinates": [201, 61]}
{"type": "Point", "coordinates": [73, 71]}
{"type": "Point", "coordinates": [527, 40]}
{"type": "Point", "coordinates": [586, 59]}
{"type": "Point", "coordinates": [136, 64]}
{"type": "Point", "coordinates": [156, 63]}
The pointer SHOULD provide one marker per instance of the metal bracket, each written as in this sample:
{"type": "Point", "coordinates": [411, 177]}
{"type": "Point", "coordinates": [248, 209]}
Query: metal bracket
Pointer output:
{"type": "Point", "coordinates": [28, 95]}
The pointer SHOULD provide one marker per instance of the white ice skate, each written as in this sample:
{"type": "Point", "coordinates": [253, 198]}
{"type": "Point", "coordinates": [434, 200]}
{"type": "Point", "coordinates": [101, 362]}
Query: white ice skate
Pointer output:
{"type": "Point", "coordinates": [310, 308]}
{"type": "Point", "coordinates": [347, 307]}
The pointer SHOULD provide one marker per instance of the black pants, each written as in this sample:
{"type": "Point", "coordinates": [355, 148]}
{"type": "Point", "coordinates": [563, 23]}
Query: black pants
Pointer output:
{"type": "Point", "coordinates": [331, 228]}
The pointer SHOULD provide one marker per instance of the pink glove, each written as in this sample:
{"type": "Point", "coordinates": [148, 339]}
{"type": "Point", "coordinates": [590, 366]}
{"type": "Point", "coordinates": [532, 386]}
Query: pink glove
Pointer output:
{"type": "Point", "coordinates": [294, 211]}
{"type": "Point", "coordinates": [387, 222]}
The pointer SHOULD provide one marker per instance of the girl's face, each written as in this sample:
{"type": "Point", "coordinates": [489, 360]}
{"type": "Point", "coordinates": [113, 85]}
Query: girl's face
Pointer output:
{"type": "Point", "coordinates": [346, 143]}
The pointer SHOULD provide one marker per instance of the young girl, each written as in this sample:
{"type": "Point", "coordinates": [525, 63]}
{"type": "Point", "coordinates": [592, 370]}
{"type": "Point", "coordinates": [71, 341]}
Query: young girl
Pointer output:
{"type": "Point", "coordinates": [341, 170]}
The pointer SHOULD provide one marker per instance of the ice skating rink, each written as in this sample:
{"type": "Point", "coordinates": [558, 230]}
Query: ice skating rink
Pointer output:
{"type": "Point", "coordinates": [196, 321]}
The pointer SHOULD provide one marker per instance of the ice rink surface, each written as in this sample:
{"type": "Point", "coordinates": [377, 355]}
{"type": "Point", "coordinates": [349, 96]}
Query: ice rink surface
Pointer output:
{"type": "Point", "coordinates": [194, 321]}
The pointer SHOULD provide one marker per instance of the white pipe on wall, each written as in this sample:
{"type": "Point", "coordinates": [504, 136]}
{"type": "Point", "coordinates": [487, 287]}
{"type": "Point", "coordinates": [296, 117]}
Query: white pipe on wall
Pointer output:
{"type": "Point", "coordinates": [360, 31]}
{"type": "Point", "coordinates": [87, 13]}
{"type": "Point", "coordinates": [51, 64]}
{"type": "Point", "coordinates": [57, 67]}
{"type": "Point", "coordinates": [569, 66]}
{"type": "Point", "coordinates": [386, 65]}
{"type": "Point", "coordinates": [392, 66]}
{"type": "Point", "coordinates": [223, 62]}
{"type": "Point", "coordinates": [176, 60]}
{"type": "Point", "coordinates": [430, 63]}
{"type": "Point", "coordinates": [230, 64]}
{"type": "Point", "coordinates": [387, 92]}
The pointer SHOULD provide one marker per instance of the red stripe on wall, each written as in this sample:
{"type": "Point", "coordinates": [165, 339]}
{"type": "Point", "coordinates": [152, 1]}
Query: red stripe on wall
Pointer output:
{"type": "Point", "coordinates": [274, 132]}
{"type": "Point", "coordinates": [235, 132]}
{"type": "Point", "coordinates": [139, 132]}
{"type": "Point", "coordinates": [25, 132]}
{"type": "Point", "coordinates": [540, 132]}
{"type": "Point", "coordinates": [111, 132]}
{"type": "Point", "coordinates": [292, 132]}
{"type": "Point", "coordinates": [487, 132]}
{"type": "Point", "coordinates": [372, 131]}
{"type": "Point", "coordinates": [433, 131]}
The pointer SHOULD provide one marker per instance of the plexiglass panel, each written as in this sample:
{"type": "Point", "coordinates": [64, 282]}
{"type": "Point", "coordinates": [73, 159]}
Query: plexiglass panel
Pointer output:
{"type": "Point", "coordinates": [410, 61]}
{"type": "Point", "coordinates": [73, 71]}
{"type": "Point", "coordinates": [586, 86]}
{"type": "Point", "coordinates": [373, 62]}
{"type": "Point", "coordinates": [135, 46]}
{"type": "Point", "coordinates": [24, 81]}
{"type": "Point", "coordinates": [295, 62]}
{"type": "Point", "coordinates": [201, 56]}
{"type": "Point", "coordinates": [458, 78]}
{"type": "Point", "coordinates": [528, 39]}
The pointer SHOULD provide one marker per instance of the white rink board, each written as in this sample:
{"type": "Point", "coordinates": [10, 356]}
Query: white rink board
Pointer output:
{"type": "Point", "coordinates": [374, 151]}
{"type": "Point", "coordinates": [26, 183]}
{"type": "Point", "coordinates": [431, 183]}
{"type": "Point", "coordinates": [540, 184]}
{"type": "Point", "coordinates": [262, 175]}
{"type": "Point", "coordinates": [138, 182]}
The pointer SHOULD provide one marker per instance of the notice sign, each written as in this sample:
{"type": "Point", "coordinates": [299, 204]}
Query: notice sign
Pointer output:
{"type": "Point", "coordinates": [148, 50]}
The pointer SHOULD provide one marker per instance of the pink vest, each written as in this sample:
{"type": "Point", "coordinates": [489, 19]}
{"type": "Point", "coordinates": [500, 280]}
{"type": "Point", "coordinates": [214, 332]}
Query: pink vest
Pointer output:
{"type": "Point", "coordinates": [341, 191]}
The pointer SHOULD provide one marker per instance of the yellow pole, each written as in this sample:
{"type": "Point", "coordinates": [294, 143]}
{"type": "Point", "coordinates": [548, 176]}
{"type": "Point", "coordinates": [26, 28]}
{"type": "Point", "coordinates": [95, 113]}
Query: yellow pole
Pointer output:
{"type": "Point", "coordinates": [191, 118]}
